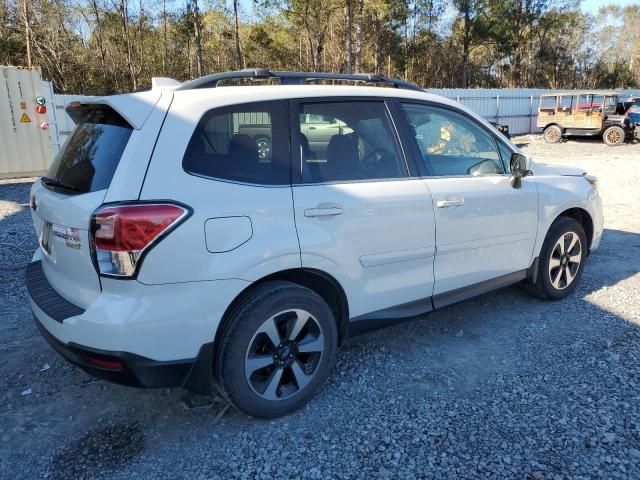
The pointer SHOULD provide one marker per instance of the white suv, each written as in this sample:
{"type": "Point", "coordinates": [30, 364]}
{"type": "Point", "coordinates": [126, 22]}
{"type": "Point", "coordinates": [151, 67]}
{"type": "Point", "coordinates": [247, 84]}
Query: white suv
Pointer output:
{"type": "Point", "coordinates": [176, 251]}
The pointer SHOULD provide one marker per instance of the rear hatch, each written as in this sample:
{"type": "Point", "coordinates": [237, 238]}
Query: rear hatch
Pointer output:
{"type": "Point", "coordinates": [63, 201]}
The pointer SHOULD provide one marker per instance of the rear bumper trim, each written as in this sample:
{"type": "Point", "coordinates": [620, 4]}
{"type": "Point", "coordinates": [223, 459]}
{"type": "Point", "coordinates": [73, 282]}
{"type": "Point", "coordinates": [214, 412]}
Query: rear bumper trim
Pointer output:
{"type": "Point", "coordinates": [136, 371]}
{"type": "Point", "coordinates": [45, 297]}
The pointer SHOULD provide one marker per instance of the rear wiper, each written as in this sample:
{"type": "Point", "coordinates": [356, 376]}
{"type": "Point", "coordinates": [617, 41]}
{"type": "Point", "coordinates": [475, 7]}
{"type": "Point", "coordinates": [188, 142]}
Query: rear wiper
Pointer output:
{"type": "Point", "coordinates": [52, 182]}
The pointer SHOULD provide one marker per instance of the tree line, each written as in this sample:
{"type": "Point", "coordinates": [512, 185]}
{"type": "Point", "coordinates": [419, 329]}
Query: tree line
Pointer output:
{"type": "Point", "coordinates": [109, 46]}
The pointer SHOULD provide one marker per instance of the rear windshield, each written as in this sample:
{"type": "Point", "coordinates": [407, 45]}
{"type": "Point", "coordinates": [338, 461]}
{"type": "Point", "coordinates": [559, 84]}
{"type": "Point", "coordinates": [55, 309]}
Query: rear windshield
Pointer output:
{"type": "Point", "coordinates": [89, 158]}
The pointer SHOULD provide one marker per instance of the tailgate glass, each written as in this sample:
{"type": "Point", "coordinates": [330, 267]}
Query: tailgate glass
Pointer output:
{"type": "Point", "coordinates": [89, 158]}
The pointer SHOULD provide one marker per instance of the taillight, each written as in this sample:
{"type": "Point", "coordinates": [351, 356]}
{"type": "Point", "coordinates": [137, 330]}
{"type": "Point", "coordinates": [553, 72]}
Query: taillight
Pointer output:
{"type": "Point", "coordinates": [122, 233]}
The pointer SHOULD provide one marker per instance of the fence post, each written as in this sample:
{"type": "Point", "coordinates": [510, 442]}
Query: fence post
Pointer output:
{"type": "Point", "coordinates": [530, 113]}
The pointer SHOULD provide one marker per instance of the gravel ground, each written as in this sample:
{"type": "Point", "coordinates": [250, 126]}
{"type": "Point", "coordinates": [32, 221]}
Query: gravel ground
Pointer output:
{"type": "Point", "coordinates": [502, 386]}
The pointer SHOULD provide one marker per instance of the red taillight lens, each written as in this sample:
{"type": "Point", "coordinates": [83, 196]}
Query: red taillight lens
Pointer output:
{"type": "Point", "coordinates": [121, 233]}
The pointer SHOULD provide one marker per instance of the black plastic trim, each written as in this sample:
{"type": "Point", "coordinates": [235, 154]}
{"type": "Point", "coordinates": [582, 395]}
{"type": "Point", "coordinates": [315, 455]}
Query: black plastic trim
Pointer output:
{"type": "Point", "coordinates": [45, 297]}
{"type": "Point", "coordinates": [137, 371]}
{"type": "Point", "coordinates": [388, 316]}
{"type": "Point", "coordinates": [394, 315]}
{"type": "Point", "coordinates": [294, 78]}
{"type": "Point", "coordinates": [460, 294]}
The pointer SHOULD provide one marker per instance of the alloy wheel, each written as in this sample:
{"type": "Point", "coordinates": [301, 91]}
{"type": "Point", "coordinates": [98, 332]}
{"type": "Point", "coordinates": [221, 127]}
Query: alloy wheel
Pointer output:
{"type": "Point", "coordinates": [284, 354]}
{"type": "Point", "coordinates": [565, 260]}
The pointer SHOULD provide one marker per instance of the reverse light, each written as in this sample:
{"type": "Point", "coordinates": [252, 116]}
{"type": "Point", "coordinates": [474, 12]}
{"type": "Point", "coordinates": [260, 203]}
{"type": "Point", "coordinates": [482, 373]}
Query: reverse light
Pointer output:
{"type": "Point", "coordinates": [122, 234]}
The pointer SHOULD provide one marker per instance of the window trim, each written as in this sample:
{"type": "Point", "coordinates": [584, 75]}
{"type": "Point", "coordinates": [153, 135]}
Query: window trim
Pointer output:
{"type": "Point", "coordinates": [294, 131]}
{"type": "Point", "coordinates": [220, 110]}
{"type": "Point", "coordinates": [414, 149]}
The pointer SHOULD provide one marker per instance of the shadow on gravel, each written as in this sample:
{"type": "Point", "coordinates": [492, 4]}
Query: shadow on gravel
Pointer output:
{"type": "Point", "coordinates": [102, 448]}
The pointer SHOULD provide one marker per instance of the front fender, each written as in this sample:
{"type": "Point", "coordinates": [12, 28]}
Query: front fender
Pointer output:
{"type": "Point", "coordinates": [559, 193]}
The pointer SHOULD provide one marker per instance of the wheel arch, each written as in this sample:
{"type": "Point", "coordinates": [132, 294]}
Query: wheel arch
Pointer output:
{"type": "Point", "coordinates": [583, 218]}
{"type": "Point", "coordinates": [553, 124]}
{"type": "Point", "coordinates": [318, 281]}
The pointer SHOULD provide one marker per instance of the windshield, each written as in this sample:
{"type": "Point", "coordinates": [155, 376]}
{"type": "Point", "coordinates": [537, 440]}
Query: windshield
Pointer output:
{"type": "Point", "coordinates": [89, 158]}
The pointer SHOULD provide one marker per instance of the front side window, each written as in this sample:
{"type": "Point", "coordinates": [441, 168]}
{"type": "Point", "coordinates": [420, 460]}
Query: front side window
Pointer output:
{"type": "Point", "coordinates": [245, 143]}
{"type": "Point", "coordinates": [353, 141]}
{"type": "Point", "coordinates": [452, 144]}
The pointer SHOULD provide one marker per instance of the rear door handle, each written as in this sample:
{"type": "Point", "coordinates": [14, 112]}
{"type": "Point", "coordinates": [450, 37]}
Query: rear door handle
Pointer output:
{"type": "Point", "coordinates": [450, 202]}
{"type": "Point", "coordinates": [323, 212]}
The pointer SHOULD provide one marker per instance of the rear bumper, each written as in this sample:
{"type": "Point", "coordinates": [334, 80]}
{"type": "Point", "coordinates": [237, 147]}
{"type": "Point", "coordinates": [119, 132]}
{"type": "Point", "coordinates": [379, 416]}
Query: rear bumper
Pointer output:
{"type": "Point", "coordinates": [121, 367]}
{"type": "Point", "coordinates": [136, 334]}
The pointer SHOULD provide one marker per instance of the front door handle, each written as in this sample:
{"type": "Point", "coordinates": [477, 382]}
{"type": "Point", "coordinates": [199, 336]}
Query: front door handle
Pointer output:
{"type": "Point", "coordinates": [323, 212]}
{"type": "Point", "coordinates": [450, 202]}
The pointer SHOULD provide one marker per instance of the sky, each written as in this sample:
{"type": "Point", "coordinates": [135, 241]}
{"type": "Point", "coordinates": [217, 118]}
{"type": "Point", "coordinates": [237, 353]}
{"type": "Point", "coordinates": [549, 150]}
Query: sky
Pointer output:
{"type": "Point", "coordinates": [592, 6]}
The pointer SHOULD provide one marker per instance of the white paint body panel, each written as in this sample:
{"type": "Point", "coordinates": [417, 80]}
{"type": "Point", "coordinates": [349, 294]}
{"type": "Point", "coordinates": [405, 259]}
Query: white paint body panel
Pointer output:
{"type": "Point", "coordinates": [491, 234]}
{"type": "Point", "coordinates": [380, 248]}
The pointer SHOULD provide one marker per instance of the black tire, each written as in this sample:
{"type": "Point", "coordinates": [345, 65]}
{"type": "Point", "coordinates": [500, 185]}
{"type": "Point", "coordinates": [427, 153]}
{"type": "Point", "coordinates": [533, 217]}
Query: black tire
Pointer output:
{"type": "Point", "coordinates": [613, 136]}
{"type": "Point", "coordinates": [552, 134]}
{"type": "Point", "coordinates": [240, 332]}
{"type": "Point", "coordinates": [544, 287]}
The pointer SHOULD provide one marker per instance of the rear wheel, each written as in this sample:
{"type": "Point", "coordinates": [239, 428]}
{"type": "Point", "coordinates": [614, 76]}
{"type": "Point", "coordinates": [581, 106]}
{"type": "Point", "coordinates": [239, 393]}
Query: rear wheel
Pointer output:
{"type": "Point", "coordinates": [561, 260]}
{"type": "Point", "coordinates": [613, 136]}
{"type": "Point", "coordinates": [552, 134]}
{"type": "Point", "coordinates": [277, 348]}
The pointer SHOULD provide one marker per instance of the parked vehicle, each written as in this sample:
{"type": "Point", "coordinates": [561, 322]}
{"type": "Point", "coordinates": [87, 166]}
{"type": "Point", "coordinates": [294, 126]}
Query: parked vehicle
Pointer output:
{"type": "Point", "coordinates": [583, 114]}
{"type": "Point", "coordinates": [172, 253]}
{"type": "Point", "coordinates": [631, 108]}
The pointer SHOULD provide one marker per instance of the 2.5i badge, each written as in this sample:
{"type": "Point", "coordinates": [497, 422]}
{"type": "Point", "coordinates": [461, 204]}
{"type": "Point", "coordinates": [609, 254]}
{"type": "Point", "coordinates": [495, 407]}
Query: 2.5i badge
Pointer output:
{"type": "Point", "coordinates": [71, 236]}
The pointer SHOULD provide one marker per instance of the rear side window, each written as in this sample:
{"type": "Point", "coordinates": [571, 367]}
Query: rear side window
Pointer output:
{"type": "Point", "coordinates": [89, 158]}
{"type": "Point", "coordinates": [246, 143]}
{"type": "Point", "coordinates": [348, 141]}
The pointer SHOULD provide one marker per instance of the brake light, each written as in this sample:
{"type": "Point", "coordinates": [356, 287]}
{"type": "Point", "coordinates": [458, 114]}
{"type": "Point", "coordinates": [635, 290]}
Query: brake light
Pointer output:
{"type": "Point", "coordinates": [122, 233]}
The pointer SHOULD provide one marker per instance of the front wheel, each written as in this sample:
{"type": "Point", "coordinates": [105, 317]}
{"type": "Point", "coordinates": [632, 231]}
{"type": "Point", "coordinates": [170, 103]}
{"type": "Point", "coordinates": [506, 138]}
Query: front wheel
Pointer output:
{"type": "Point", "coordinates": [552, 134]}
{"type": "Point", "coordinates": [613, 136]}
{"type": "Point", "coordinates": [561, 260]}
{"type": "Point", "coordinates": [277, 348]}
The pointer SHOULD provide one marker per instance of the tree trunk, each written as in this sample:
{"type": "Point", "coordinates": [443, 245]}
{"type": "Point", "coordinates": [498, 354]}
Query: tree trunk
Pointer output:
{"type": "Point", "coordinates": [378, 53]}
{"type": "Point", "coordinates": [359, 33]}
{"type": "Point", "coordinates": [164, 37]}
{"type": "Point", "coordinates": [348, 14]}
{"type": "Point", "coordinates": [124, 16]}
{"type": "Point", "coordinates": [198, 40]}
{"type": "Point", "coordinates": [99, 38]}
{"type": "Point", "coordinates": [27, 30]}
{"type": "Point", "coordinates": [239, 58]}
{"type": "Point", "coordinates": [466, 41]}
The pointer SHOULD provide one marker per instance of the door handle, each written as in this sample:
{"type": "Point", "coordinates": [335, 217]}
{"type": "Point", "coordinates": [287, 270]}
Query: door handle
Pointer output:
{"type": "Point", "coordinates": [323, 212]}
{"type": "Point", "coordinates": [450, 202]}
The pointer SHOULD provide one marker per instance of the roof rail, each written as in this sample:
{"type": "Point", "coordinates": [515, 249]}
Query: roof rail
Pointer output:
{"type": "Point", "coordinates": [293, 78]}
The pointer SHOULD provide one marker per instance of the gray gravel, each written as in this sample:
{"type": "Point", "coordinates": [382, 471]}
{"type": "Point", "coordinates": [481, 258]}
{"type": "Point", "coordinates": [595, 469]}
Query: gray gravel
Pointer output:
{"type": "Point", "coordinates": [502, 386]}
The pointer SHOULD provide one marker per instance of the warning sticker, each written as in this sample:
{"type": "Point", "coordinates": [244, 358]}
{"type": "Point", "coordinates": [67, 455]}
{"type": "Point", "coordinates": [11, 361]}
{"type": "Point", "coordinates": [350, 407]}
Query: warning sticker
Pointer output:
{"type": "Point", "coordinates": [25, 118]}
{"type": "Point", "coordinates": [23, 105]}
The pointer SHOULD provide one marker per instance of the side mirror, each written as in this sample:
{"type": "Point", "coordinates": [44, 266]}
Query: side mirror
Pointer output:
{"type": "Point", "coordinates": [519, 168]}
